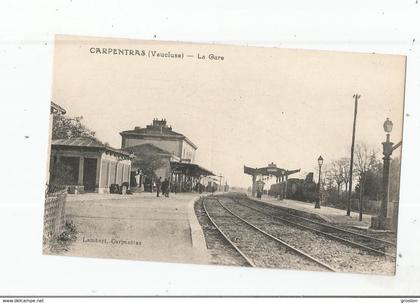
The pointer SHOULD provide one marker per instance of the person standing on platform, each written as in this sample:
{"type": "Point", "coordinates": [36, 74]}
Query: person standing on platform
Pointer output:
{"type": "Point", "coordinates": [165, 187]}
{"type": "Point", "coordinates": [259, 193]}
{"type": "Point", "coordinates": [158, 184]}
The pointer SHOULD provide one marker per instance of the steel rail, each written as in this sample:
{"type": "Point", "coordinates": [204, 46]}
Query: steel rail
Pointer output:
{"type": "Point", "coordinates": [320, 232]}
{"type": "Point", "coordinates": [331, 227]}
{"type": "Point", "coordinates": [248, 261]}
{"type": "Point", "coordinates": [296, 250]}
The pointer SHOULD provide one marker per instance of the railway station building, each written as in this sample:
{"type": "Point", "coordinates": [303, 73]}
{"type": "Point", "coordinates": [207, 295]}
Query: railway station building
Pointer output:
{"type": "Point", "coordinates": [162, 136]}
{"type": "Point", "coordinates": [86, 165]}
{"type": "Point", "coordinates": [172, 154]}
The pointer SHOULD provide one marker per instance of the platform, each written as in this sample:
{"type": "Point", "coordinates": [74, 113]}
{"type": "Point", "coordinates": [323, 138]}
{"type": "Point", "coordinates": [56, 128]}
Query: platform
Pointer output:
{"type": "Point", "coordinates": [329, 214]}
{"type": "Point", "coordinates": [139, 226]}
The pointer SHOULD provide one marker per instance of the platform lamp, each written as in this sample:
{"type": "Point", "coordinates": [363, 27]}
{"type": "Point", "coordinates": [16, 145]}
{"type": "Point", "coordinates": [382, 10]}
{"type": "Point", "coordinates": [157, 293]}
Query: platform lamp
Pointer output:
{"type": "Point", "coordinates": [318, 200]}
{"type": "Point", "coordinates": [387, 152]}
{"type": "Point", "coordinates": [382, 221]}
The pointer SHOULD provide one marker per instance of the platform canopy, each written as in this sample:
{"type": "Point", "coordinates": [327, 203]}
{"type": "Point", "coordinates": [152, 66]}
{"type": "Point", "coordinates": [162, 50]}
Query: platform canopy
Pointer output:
{"type": "Point", "coordinates": [270, 170]}
{"type": "Point", "coordinates": [189, 169]}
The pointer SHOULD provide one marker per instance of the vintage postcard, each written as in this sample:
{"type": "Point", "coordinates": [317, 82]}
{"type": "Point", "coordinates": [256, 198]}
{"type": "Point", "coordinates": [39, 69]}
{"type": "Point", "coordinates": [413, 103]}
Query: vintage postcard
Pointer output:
{"type": "Point", "coordinates": [225, 155]}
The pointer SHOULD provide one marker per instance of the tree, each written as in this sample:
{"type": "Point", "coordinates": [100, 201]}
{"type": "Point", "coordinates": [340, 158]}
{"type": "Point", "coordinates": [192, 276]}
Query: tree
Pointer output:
{"type": "Point", "coordinates": [338, 174]}
{"type": "Point", "coordinates": [148, 164]}
{"type": "Point", "coordinates": [344, 167]}
{"type": "Point", "coordinates": [65, 127]}
{"type": "Point", "coordinates": [329, 176]}
{"type": "Point", "coordinates": [369, 169]}
{"type": "Point", "coordinates": [366, 158]}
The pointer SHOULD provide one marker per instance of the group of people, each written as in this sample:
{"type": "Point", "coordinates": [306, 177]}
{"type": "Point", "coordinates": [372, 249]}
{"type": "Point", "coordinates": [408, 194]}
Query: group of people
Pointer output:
{"type": "Point", "coordinates": [162, 186]}
{"type": "Point", "coordinates": [165, 186]}
{"type": "Point", "coordinates": [199, 188]}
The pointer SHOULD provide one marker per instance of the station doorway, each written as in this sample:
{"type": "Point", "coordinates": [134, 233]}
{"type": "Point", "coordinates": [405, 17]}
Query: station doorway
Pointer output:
{"type": "Point", "coordinates": [89, 174]}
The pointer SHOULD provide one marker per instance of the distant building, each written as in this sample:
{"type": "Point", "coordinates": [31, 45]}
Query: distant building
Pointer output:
{"type": "Point", "coordinates": [162, 136]}
{"type": "Point", "coordinates": [88, 165]}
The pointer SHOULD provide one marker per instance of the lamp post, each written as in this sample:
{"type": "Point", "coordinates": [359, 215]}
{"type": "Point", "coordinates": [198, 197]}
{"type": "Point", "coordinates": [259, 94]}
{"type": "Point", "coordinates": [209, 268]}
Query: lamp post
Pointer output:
{"type": "Point", "coordinates": [382, 221]}
{"type": "Point", "coordinates": [318, 200]}
{"type": "Point", "coordinates": [387, 152]}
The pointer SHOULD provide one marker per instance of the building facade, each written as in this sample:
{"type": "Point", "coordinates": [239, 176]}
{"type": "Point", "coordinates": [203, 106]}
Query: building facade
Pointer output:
{"type": "Point", "coordinates": [170, 154]}
{"type": "Point", "coordinates": [162, 136]}
{"type": "Point", "coordinates": [87, 165]}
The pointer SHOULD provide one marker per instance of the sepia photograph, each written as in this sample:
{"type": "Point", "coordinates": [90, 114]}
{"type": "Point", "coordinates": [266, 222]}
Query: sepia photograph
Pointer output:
{"type": "Point", "coordinates": [224, 155]}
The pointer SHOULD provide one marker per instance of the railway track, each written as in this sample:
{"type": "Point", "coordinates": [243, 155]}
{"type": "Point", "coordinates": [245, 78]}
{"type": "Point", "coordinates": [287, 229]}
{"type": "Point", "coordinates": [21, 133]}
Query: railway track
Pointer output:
{"type": "Point", "coordinates": [361, 241]}
{"type": "Point", "coordinates": [255, 245]}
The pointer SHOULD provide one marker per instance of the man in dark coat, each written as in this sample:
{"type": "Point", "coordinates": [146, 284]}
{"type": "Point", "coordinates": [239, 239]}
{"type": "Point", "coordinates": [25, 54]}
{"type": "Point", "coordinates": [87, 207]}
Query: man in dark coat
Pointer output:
{"type": "Point", "coordinates": [158, 184]}
{"type": "Point", "coordinates": [165, 187]}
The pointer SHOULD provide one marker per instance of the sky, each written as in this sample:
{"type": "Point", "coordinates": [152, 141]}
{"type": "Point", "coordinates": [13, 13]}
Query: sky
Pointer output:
{"type": "Point", "coordinates": [256, 106]}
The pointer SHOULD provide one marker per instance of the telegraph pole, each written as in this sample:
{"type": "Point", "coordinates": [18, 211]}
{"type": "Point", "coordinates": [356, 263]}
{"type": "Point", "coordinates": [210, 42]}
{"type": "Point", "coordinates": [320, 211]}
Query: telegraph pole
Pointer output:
{"type": "Point", "coordinates": [361, 189]}
{"type": "Point", "coordinates": [356, 99]}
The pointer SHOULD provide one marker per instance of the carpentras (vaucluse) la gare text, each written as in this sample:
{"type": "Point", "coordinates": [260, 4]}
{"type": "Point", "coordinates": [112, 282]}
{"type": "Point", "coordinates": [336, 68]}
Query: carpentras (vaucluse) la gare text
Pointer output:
{"type": "Point", "coordinates": [154, 53]}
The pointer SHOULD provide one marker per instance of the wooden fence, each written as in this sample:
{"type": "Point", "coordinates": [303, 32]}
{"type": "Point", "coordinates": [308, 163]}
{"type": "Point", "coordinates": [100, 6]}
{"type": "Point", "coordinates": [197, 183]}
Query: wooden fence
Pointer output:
{"type": "Point", "coordinates": [54, 212]}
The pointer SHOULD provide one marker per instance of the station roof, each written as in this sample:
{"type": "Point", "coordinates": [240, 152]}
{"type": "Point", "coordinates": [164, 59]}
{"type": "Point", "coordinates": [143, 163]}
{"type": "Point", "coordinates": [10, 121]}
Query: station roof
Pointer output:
{"type": "Point", "coordinates": [55, 108]}
{"type": "Point", "coordinates": [86, 142]}
{"type": "Point", "coordinates": [158, 129]}
{"type": "Point", "coordinates": [151, 131]}
{"type": "Point", "coordinates": [269, 170]}
{"type": "Point", "coordinates": [190, 169]}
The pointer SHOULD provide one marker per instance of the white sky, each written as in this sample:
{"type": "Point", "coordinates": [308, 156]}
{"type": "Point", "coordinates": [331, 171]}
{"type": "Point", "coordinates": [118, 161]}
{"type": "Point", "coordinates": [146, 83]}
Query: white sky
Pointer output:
{"type": "Point", "coordinates": [259, 105]}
